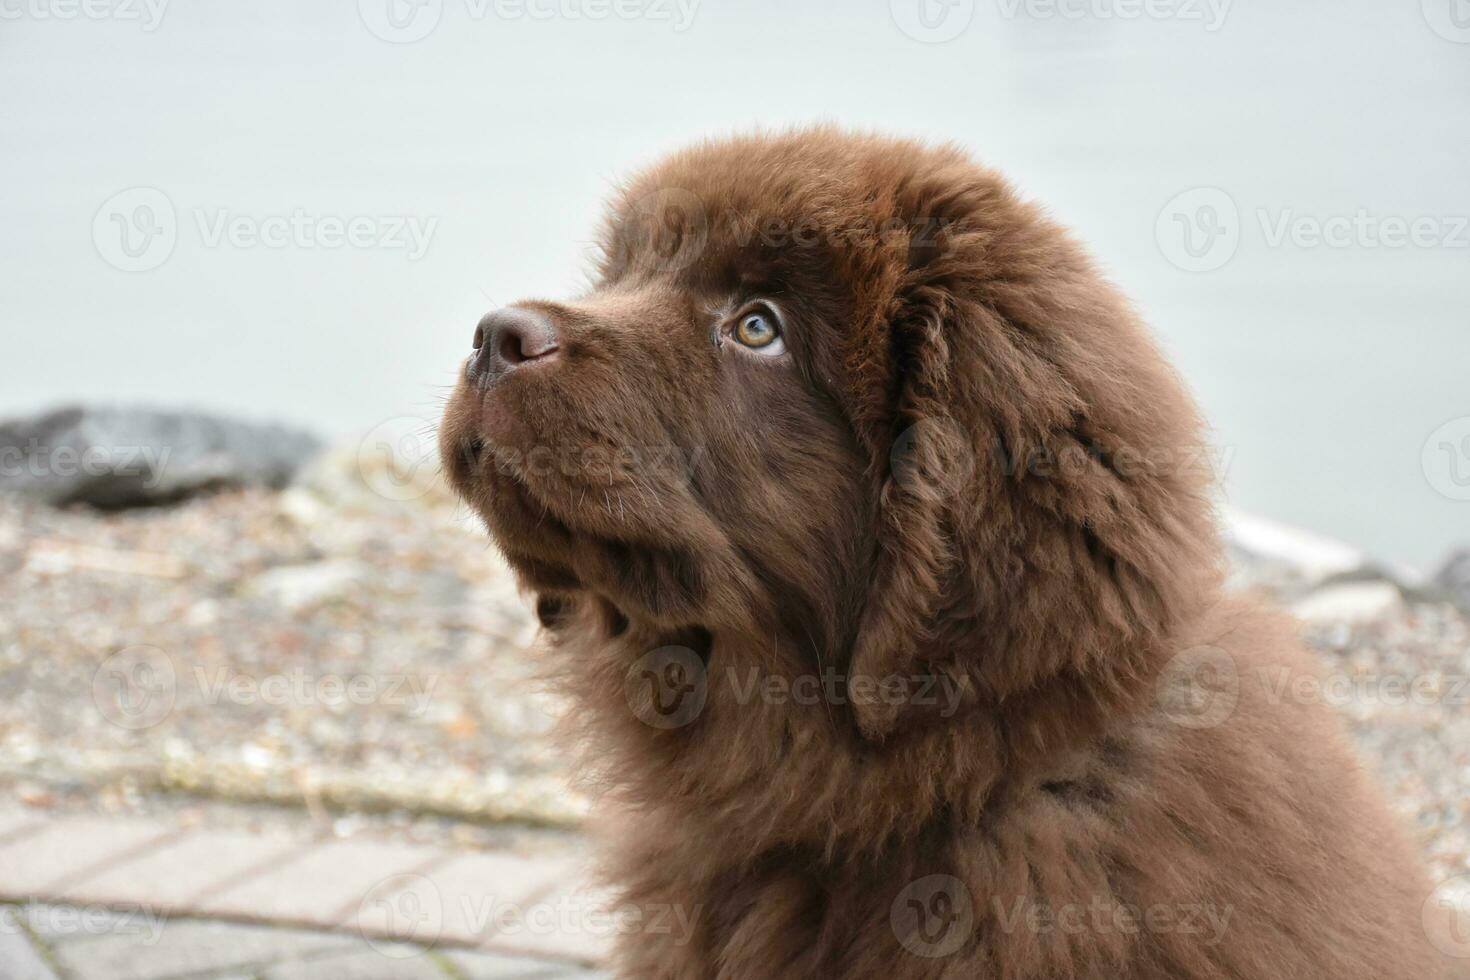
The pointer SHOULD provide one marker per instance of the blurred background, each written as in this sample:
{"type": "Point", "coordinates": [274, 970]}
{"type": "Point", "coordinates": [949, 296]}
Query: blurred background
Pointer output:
{"type": "Point", "coordinates": [294, 214]}
{"type": "Point", "coordinates": [1324, 360]}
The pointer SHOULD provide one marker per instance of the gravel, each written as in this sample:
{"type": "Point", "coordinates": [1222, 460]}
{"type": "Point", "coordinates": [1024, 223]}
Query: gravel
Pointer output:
{"type": "Point", "coordinates": [352, 648]}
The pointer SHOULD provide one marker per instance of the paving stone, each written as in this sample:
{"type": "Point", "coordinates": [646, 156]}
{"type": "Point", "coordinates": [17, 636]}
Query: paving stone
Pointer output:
{"type": "Point", "coordinates": [575, 921]}
{"type": "Point", "coordinates": [60, 923]}
{"type": "Point", "coordinates": [325, 886]}
{"type": "Point", "coordinates": [460, 901]}
{"type": "Point", "coordinates": [15, 822]}
{"type": "Point", "coordinates": [189, 946]}
{"type": "Point", "coordinates": [493, 966]}
{"type": "Point", "coordinates": [37, 863]}
{"type": "Point", "coordinates": [387, 961]}
{"type": "Point", "coordinates": [19, 958]}
{"type": "Point", "coordinates": [172, 876]}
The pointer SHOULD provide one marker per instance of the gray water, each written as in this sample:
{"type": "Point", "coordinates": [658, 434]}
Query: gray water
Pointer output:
{"type": "Point", "coordinates": [1326, 370]}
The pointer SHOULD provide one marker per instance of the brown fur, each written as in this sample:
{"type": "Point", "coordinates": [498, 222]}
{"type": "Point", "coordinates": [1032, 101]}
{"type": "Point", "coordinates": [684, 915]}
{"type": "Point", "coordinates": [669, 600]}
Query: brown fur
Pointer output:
{"type": "Point", "coordinates": [972, 474]}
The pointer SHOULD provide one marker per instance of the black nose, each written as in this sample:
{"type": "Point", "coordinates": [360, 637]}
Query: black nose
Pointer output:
{"type": "Point", "coordinates": [509, 338]}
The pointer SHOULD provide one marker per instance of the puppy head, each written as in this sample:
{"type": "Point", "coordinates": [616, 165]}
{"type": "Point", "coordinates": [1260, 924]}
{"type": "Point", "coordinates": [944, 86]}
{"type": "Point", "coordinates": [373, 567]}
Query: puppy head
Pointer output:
{"type": "Point", "coordinates": [851, 394]}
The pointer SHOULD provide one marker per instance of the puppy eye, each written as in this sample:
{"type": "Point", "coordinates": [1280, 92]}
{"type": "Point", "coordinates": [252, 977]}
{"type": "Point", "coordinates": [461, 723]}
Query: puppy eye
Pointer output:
{"type": "Point", "coordinates": [759, 331]}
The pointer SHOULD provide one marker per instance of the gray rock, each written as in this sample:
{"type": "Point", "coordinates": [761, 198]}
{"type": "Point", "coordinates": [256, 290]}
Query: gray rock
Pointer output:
{"type": "Point", "coordinates": [1454, 577]}
{"type": "Point", "coordinates": [113, 458]}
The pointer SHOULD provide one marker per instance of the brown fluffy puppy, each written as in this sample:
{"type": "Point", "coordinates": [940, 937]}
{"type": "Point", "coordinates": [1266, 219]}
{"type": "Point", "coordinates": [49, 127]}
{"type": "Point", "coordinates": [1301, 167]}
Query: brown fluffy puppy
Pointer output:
{"type": "Point", "coordinates": [873, 534]}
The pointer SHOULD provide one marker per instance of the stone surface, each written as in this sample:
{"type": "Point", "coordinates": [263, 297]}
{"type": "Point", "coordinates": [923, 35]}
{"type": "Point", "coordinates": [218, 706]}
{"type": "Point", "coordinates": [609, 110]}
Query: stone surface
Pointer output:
{"type": "Point", "coordinates": [178, 873]}
{"type": "Point", "coordinates": [326, 886]}
{"type": "Point", "coordinates": [364, 962]}
{"type": "Point", "coordinates": [187, 948]}
{"type": "Point", "coordinates": [19, 958]}
{"type": "Point", "coordinates": [493, 966]}
{"type": "Point", "coordinates": [459, 901]}
{"type": "Point", "coordinates": [573, 921]}
{"type": "Point", "coordinates": [41, 863]}
{"type": "Point", "coordinates": [15, 823]}
{"type": "Point", "coordinates": [128, 457]}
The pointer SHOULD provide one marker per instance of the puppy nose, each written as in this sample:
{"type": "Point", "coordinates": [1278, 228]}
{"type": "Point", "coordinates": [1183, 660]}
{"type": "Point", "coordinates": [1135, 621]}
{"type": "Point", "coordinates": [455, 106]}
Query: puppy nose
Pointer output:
{"type": "Point", "coordinates": [510, 338]}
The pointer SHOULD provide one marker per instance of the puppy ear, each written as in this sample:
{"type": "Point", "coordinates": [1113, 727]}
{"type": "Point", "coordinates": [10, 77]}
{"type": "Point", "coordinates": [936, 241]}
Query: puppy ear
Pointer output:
{"type": "Point", "coordinates": [927, 463]}
{"type": "Point", "coordinates": [1043, 517]}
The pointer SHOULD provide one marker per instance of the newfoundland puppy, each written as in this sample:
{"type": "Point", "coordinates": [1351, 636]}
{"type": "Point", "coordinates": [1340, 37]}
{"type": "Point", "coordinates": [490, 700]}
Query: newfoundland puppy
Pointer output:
{"type": "Point", "coordinates": [874, 543]}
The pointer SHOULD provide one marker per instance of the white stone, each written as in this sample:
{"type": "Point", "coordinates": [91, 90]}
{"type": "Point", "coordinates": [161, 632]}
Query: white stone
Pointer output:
{"type": "Point", "coordinates": [1351, 602]}
{"type": "Point", "coordinates": [302, 586]}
